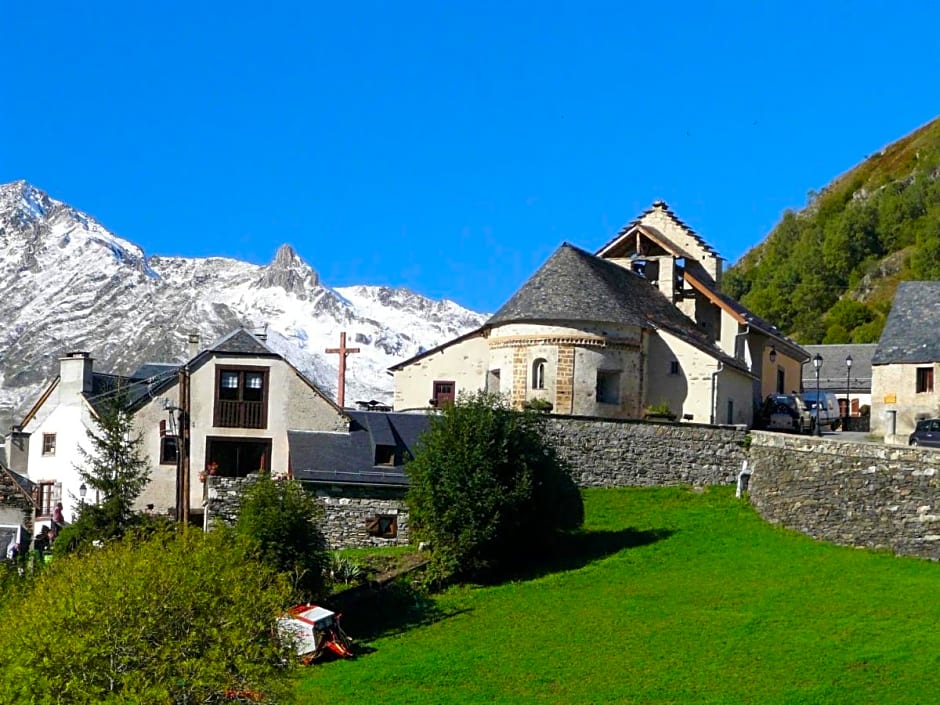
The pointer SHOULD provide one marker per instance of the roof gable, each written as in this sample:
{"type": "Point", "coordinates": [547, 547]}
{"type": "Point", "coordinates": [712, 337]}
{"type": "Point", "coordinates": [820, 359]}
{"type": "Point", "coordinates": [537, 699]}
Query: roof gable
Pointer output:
{"type": "Point", "coordinates": [659, 214]}
{"type": "Point", "coordinates": [910, 333]}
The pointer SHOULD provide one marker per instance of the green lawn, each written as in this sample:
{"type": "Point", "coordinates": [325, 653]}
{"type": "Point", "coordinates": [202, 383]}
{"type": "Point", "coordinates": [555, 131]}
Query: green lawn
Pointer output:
{"type": "Point", "coordinates": [676, 597]}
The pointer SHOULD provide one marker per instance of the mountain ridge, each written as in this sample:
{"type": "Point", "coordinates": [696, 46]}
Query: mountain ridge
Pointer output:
{"type": "Point", "coordinates": [68, 283]}
{"type": "Point", "coordinates": [828, 272]}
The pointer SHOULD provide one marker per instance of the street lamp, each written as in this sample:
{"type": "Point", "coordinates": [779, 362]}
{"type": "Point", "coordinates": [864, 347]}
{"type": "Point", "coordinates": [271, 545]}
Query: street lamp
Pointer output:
{"type": "Point", "coordinates": [773, 353]}
{"type": "Point", "coordinates": [82, 490]}
{"type": "Point", "coordinates": [848, 390]}
{"type": "Point", "coordinates": [817, 363]}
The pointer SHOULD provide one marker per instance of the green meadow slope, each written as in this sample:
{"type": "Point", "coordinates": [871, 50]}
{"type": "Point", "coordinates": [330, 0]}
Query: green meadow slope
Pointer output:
{"type": "Point", "coordinates": [671, 596]}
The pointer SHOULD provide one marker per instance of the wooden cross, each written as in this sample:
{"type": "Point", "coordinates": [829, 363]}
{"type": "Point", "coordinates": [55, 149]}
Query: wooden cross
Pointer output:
{"type": "Point", "coordinates": [343, 351]}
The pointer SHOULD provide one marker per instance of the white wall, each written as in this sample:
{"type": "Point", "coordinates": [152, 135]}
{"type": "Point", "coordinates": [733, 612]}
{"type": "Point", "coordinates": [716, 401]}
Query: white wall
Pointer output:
{"type": "Point", "coordinates": [465, 363]}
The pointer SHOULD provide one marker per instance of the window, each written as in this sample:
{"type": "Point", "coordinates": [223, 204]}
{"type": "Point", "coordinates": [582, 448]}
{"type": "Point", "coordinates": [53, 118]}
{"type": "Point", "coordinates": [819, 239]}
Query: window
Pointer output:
{"type": "Point", "coordinates": [925, 380]}
{"type": "Point", "coordinates": [674, 367]}
{"type": "Point", "coordinates": [383, 526]}
{"type": "Point", "coordinates": [443, 393]}
{"type": "Point", "coordinates": [780, 381]}
{"type": "Point", "coordinates": [235, 457]}
{"type": "Point", "coordinates": [48, 444]}
{"type": "Point", "coordinates": [47, 494]}
{"type": "Point", "coordinates": [608, 386]}
{"type": "Point", "coordinates": [538, 374]}
{"type": "Point", "coordinates": [241, 397]}
{"type": "Point", "coordinates": [384, 455]}
{"type": "Point", "coordinates": [492, 381]}
{"type": "Point", "coordinates": [169, 451]}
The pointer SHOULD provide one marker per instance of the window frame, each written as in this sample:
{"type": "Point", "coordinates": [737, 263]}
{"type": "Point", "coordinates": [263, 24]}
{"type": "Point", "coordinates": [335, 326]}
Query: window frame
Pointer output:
{"type": "Point", "coordinates": [49, 442]}
{"type": "Point", "coordinates": [923, 380]}
{"type": "Point", "coordinates": [382, 526]}
{"type": "Point", "coordinates": [539, 366]}
{"type": "Point", "coordinates": [385, 455]}
{"type": "Point", "coordinates": [242, 410]}
{"type": "Point", "coordinates": [166, 458]}
{"type": "Point", "coordinates": [674, 368]}
{"type": "Point", "coordinates": [48, 493]}
{"type": "Point", "coordinates": [436, 392]}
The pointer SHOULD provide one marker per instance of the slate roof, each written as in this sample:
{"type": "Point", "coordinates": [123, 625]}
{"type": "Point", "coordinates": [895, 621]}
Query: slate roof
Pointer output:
{"type": "Point", "coordinates": [241, 342]}
{"type": "Point", "coordinates": [139, 387]}
{"type": "Point", "coordinates": [349, 458]}
{"type": "Point", "coordinates": [833, 373]}
{"type": "Point", "coordinates": [672, 216]}
{"type": "Point", "coordinates": [912, 331]}
{"type": "Point", "coordinates": [576, 286]}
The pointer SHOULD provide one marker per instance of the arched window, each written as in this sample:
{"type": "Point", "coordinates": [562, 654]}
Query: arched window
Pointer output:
{"type": "Point", "coordinates": [538, 374]}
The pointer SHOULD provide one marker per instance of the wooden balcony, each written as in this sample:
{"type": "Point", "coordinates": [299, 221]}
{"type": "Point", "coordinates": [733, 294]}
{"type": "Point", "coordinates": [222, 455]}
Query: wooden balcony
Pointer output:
{"type": "Point", "coordinates": [240, 414]}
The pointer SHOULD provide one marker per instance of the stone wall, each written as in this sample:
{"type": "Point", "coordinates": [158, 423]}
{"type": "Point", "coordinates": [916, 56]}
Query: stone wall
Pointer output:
{"type": "Point", "coordinates": [15, 507]}
{"type": "Point", "coordinates": [622, 453]}
{"type": "Point", "coordinates": [855, 494]}
{"type": "Point", "coordinates": [346, 510]}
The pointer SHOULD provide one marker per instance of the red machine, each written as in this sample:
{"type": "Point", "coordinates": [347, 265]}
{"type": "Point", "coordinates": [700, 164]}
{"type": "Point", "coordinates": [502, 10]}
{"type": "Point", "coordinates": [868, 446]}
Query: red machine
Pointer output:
{"type": "Point", "coordinates": [314, 631]}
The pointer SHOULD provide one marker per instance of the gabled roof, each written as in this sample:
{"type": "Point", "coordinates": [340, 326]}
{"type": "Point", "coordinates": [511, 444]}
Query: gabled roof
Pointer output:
{"type": "Point", "coordinates": [743, 315]}
{"type": "Point", "coordinates": [241, 342]}
{"type": "Point", "coordinates": [576, 286]}
{"type": "Point", "coordinates": [912, 331]}
{"type": "Point", "coordinates": [834, 374]}
{"type": "Point", "coordinates": [349, 458]}
{"type": "Point", "coordinates": [662, 206]}
{"type": "Point", "coordinates": [477, 332]}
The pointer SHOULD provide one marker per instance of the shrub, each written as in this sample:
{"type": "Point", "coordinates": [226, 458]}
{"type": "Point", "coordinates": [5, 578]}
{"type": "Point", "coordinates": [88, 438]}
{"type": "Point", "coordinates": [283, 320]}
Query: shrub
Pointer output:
{"type": "Point", "coordinates": [172, 618]}
{"type": "Point", "coordinates": [284, 521]}
{"type": "Point", "coordinates": [486, 488]}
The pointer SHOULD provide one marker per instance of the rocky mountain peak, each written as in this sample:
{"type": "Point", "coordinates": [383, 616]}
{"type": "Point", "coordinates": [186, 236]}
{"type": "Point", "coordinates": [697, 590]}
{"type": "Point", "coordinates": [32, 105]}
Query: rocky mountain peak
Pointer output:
{"type": "Point", "coordinates": [289, 272]}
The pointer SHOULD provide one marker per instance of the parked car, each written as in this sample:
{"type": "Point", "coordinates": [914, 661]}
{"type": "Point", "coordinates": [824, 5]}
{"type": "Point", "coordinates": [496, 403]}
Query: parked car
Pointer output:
{"type": "Point", "coordinates": [927, 433]}
{"type": "Point", "coordinates": [786, 412]}
{"type": "Point", "coordinates": [826, 412]}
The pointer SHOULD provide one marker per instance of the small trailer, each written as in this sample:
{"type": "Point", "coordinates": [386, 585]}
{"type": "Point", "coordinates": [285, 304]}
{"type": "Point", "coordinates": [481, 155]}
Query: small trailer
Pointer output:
{"type": "Point", "coordinates": [315, 631]}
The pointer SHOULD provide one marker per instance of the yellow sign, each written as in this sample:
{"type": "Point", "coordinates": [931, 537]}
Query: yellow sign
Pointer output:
{"type": "Point", "coordinates": [891, 398]}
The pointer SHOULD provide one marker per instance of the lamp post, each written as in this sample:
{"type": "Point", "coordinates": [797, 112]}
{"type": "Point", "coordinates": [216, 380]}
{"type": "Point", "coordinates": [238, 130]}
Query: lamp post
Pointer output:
{"type": "Point", "coordinates": [848, 390]}
{"type": "Point", "coordinates": [81, 496]}
{"type": "Point", "coordinates": [817, 363]}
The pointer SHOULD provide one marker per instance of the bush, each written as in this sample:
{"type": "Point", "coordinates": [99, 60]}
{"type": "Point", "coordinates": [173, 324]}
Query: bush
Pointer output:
{"type": "Point", "coordinates": [172, 618]}
{"type": "Point", "coordinates": [284, 521]}
{"type": "Point", "coordinates": [486, 488]}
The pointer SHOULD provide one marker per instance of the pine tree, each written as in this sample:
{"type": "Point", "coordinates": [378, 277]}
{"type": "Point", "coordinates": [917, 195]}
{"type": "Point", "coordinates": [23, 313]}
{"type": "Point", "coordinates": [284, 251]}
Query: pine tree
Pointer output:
{"type": "Point", "coordinates": [115, 467]}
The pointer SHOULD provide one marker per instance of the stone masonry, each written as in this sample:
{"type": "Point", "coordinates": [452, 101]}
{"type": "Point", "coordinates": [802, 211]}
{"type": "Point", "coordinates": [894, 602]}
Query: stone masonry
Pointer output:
{"type": "Point", "coordinates": [855, 494]}
{"type": "Point", "coordinates": [626, 453]}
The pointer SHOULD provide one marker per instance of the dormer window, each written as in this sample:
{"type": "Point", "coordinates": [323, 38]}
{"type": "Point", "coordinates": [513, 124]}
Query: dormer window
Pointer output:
{"type": "Point", "coordinates": [241, 397]}
{"type": "Point", "coordinates": [384, 455]}
{"type": "Point", "coordinates": [538, 373]}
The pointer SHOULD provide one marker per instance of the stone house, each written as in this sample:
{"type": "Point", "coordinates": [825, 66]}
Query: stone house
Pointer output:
{"type": "Point", "coordinates": [840, 379]}
{"type": "Point", "coordinates": [239, 396]}
{"type": "Point", "coordinates": [591, 338]}
{"type": "Point", "coordinates": [906, 362]}
{"type": "Point", "coordinates": [358, 475]}
{"type": "Point", "coordinates": [639, 324]}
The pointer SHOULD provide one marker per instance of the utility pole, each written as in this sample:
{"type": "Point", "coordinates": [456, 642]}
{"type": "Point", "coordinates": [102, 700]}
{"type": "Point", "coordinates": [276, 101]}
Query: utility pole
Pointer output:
{"type": "Point", "coordinates": [343, 351]}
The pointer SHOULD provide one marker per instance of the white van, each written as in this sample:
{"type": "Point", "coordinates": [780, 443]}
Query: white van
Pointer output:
{"type": "Point", "coordinates": [826, 412]}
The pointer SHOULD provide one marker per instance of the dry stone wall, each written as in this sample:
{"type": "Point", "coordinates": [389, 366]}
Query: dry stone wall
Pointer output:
{"type": "Point", "coordinates": [346, 510]}
{"type": "Point", "coordinates": [855, 494]}
{"type": "Point", "coordinates": [615, 453]}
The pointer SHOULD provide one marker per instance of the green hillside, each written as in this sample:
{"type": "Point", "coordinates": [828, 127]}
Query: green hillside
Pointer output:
{"type": "Point", "coordinates": [827, 274]}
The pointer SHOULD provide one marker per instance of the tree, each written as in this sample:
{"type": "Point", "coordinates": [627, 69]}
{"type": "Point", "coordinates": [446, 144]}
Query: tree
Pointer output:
{"type": "Point", "coordinates": [115, 467]}
{"type": "Point", "coordinates": [283, 521]}
{"type": "Point", "coordinates": [173, 618]}
{"type": "Point", "coordinates": [486, 488]}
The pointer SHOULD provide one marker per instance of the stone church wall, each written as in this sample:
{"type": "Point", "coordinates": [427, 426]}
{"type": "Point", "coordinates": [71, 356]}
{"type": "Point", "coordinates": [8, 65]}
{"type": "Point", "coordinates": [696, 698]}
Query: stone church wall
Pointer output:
{"type": "Point", "coordinates": [623, 453]}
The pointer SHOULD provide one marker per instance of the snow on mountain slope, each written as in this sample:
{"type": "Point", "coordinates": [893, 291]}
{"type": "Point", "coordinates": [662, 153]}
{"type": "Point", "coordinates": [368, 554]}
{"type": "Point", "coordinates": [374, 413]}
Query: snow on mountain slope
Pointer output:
{"type": "Point", "coordinates": [69, 284]}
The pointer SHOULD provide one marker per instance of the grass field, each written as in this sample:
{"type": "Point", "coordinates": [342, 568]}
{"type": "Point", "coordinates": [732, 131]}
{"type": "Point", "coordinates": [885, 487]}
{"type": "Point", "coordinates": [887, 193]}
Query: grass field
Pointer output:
{"type": "Point", "coordinates": [668, 596]}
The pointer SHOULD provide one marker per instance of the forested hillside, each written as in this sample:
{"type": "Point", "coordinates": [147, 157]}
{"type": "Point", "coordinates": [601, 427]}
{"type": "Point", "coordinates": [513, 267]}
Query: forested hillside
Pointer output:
{"type": "Point", "coordinates": [827, 274]}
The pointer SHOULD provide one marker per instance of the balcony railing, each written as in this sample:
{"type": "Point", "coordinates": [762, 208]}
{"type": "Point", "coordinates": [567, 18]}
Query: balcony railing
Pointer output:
{"type": "Point", "coordinates": [240, 414]}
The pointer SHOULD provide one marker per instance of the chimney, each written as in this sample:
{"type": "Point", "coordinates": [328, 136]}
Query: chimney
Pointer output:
{"type": "Point", "coordinates": [193, 345]}
{"type": "Point", "coordinates": [17, 450]}
{"type": "Point", "coordinates": [74, 375]}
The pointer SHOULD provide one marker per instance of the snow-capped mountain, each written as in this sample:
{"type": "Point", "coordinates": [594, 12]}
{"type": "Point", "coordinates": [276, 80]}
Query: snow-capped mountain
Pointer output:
{"type": "Point", "coordinates": [67, 283]}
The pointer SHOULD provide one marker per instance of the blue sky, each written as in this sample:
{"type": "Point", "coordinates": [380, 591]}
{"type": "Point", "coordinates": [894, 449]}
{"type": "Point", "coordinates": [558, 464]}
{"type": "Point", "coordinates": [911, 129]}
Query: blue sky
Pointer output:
{"type": "Point", "coordinates": [450, 147]}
